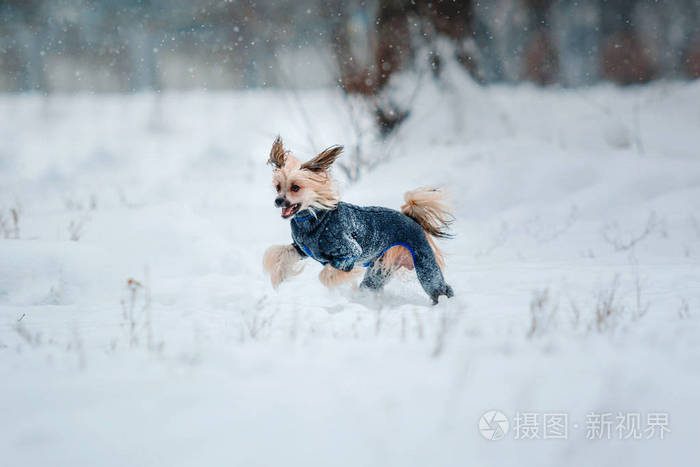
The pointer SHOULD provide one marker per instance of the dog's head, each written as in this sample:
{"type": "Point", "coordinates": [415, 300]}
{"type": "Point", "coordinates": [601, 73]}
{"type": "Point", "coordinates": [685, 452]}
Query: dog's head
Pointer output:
{"type": "Point", "coordinates": [299, 185]}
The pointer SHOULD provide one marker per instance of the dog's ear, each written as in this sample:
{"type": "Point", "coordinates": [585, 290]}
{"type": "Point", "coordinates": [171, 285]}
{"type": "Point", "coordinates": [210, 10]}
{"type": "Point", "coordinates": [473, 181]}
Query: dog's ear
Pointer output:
{"type": "Point", "coordinates": [278, 156]}
{"type": "Point", "coordinates": [324, 160]}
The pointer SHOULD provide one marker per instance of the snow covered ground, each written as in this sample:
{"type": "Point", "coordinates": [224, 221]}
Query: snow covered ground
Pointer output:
{"type": "Point", "coordinates": [576, 267]}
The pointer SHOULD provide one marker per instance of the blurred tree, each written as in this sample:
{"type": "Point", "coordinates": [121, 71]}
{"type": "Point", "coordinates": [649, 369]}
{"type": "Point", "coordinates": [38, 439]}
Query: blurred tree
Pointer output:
{"type": "Point", "coordinates": [98, 45]}
{"type": "Point", "coordinates": [23, 20]}
{"type": "Point", "coordinates": [625, 59]}
{"type": "Point", "coordinates": [690, 55]}
{"type": "Point", "coordinates": [541, 63]}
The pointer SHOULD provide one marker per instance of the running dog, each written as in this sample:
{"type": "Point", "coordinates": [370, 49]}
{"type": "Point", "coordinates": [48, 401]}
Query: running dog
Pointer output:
{"type": "Point", "coordinates": [342, 236]}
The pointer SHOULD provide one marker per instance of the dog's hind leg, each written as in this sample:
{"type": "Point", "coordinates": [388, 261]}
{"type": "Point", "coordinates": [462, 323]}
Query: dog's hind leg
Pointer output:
{"type": "Point", "coordinates": [428, 271]}
{"type": "Point", "coordinates": [377, 276]}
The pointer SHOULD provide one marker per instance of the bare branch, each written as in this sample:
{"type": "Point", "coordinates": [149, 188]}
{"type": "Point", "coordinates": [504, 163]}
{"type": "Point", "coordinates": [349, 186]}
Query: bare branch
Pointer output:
{"type": "Point", "coordinates": [612, 235]}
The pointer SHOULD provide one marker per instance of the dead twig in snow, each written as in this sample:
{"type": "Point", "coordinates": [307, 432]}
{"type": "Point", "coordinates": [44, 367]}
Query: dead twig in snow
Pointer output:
{"type": "Point", "coordinates": [419, 325]}
{"type": "Point", "coordinates": [696, 225]}
{"type": "Point", "coordinates": [75, 228]}
{"type": "Point", "coordinates": [684, 311]}
{"type": "Point", "coordinates": [606, 310]}
{"type": "Point", "coordinates": [9, 228]}
{"type": "Point", "coordinates": [612, 235]}
{"type": "Point", "coordinates": [139, 292]}
{"type": "Point", "coordinates": [34, 340]}
{"type": "Point", "coordinates": [447, 320]}
{"type": "Point", "coordinates": [541, 313]}
{"type": "Point", "coordinates": [545, 234]}
{"type": "Point", "coordinates": [642, 308]}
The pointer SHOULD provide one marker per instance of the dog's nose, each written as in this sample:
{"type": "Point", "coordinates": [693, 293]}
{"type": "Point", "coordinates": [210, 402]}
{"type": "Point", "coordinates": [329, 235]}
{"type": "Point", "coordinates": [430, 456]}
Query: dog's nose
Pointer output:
{"type": "Point", "coordinates": [279, 201]}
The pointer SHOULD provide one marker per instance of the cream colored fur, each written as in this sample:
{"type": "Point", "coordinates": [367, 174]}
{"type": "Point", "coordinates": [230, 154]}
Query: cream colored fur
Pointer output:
{"type": "Point", "coordinates": [316, 188]}
{"type": "Point", "coordinates": [427, 206]}
{"type": "Point", "coordinates": [331, 277]}
{"type": "Point", "coordinates": [280, 262]}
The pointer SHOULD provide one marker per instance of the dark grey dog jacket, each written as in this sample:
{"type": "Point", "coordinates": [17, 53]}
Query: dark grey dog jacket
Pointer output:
{"type": "Point", "coordinates": [352, 234]}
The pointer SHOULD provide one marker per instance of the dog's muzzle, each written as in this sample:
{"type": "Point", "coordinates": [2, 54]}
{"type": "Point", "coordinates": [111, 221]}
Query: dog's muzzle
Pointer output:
{"type": "Point", "coordinates": [288, 209]}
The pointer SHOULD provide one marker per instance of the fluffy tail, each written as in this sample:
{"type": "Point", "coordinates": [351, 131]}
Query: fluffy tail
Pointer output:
{"type": "Point", "coordinates": [426, 206]}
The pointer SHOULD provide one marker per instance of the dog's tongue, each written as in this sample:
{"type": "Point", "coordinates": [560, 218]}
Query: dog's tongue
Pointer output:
{"type": "Point", "coordinates": [286, 212]}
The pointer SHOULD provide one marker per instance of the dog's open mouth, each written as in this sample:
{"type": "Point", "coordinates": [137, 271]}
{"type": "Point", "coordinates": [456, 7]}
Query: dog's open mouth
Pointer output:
{"type": "Point", "coordinates": [289, 211]}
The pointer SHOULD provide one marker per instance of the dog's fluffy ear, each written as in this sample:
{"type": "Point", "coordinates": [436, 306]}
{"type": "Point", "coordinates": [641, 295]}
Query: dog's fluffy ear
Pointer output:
{"type": "Point", "coordinates": [278, 156]}
{"type": "Point", "coordinates": [324, 160]}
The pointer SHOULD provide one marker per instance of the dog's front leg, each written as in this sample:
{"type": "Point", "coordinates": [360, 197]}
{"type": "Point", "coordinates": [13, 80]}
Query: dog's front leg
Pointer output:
{"type": "Point", "coordinates": [345, 265]}
{"type": "Point", "coordinates": [342, 251]}
{"type": "Point", "coordinates": [332, 277]}
{"type": "Point", "coordinates": [280, 262]}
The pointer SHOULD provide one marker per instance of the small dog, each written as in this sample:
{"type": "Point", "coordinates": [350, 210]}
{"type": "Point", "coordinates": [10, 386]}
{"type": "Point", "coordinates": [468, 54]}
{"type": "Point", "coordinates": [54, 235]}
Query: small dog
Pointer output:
{"type": "Point", "coordinates": [342, 236]}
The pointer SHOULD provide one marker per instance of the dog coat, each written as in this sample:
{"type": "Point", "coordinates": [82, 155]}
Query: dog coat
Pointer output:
{"type": "Point", "coordinates": [350, 235]}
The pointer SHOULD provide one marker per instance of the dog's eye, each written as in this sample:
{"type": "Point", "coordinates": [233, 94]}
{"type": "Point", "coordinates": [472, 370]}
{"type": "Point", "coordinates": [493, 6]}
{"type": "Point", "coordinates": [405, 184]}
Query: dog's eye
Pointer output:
{"type": "Point", "coordinates": [278, 187]}
{"type": "Point", "coordinates": [295, 187]}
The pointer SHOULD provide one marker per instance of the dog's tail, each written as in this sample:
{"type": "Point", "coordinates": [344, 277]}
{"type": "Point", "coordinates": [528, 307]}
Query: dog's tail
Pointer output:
{"type": "Point", "coordinates": [426, 206]}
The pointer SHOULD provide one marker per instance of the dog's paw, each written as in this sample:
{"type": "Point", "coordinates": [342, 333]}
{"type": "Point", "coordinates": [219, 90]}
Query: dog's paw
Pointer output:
{"type": "Point", "coordinates": [343, 265]}
{"type": "Point", "coordinates": [445, 290]}
{"type": "Point", "coordinates": [280, 262]}
{"type": "Point", "coordinates": [332, 277]}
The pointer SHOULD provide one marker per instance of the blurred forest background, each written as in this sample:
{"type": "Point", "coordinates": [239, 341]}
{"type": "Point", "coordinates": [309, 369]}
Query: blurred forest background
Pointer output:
{"type": "Point", "coordinates": [135, 45]}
